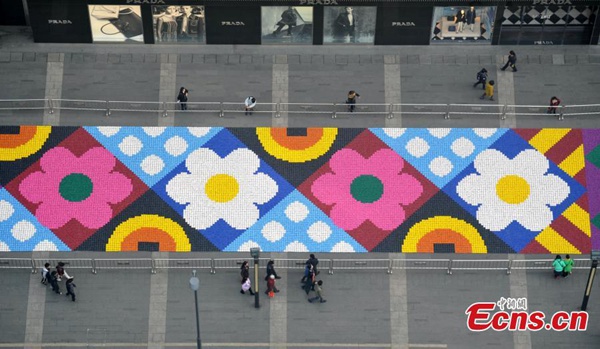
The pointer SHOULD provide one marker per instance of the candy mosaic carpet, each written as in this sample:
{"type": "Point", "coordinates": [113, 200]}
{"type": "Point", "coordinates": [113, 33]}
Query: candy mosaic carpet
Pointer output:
{"type": "Point", "coordinates": [315, 189]}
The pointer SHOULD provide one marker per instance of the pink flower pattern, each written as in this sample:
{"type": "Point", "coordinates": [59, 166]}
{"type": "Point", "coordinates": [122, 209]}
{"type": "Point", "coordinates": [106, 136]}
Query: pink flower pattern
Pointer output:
{"type": "Point", "coordinates": [93, 210]}
{"type": "Point", "coordinates": [386, 212]}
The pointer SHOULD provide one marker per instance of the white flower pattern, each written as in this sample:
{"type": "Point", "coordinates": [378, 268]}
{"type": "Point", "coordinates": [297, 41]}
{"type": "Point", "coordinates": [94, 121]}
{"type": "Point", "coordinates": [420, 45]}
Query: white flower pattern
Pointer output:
{"type": "Point", "coordinates": [518, 189]}
{"type": "Point", "coordinates": [226, 188]}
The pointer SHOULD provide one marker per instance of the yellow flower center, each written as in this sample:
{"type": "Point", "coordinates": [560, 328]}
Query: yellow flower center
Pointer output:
{"type": "Point", "coordinates": [512, 189]}
{"type": "Point", "coordinates": [221, 188]}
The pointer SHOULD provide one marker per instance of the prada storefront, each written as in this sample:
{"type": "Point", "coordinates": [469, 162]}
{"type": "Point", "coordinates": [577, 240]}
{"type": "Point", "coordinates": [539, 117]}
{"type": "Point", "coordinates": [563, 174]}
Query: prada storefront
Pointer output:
{"type": "Point", "coordinates": [316, 22]}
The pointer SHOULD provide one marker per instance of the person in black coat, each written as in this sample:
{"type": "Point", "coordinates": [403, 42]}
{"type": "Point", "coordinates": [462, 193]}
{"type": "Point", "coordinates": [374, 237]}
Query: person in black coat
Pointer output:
{"type": "Point", "coordinates": [245, 270]}
{"type": "Point", "coordinates": [512, 61]}
{"type": "Point", "coordinates": [271, 270]}
{"type": "Point", "coordinates": [313, 261]}
{"type": "Point", "coordinates": [470, 17]}
{"type": "Point", "coordinates": [53, 282]}
{"type": "Point", "coordinates": [351, 101]}
{"type": "Point", "coordinates": [344, 26]}
{"type": "Point", "coordinates": [182, 98]}
{"type": "Point", "coordinates": [481, 78]}
{"type": "Point", "coordinates": [71, 289]}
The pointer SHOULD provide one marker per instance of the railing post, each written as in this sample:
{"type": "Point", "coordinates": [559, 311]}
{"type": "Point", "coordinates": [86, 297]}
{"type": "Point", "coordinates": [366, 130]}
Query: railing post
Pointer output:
{"type": "Point", "coordinates": [212, 266]}
{"type": "Point", "coordinates": [50, 106]}
{"type": "Point", "coordinates": [504, 112]}
{"type": "Point", "coordinates": [165, 114]}
{"type": "Point", "coordinates": [334, 114]}
{"type": "Point", "coordinates": [450, 267]}
{"type": "Point", "coordinates": [221, 113]}
{"type": "Point", "coordinates": [447, 116]}
{"type": "Point", "coordinates": [33, 268]}
{"type": "Point", "coordinates": [331, 267]}
{"type": "Point", "coordinates": [277, 110]}
{"type": "Point", "coordinates": [390, 265]}
{"type": "Point", "coordinates": [391, 111]}
{"type": "Point", "coordinates": [561, 113]}
{"type": "Point", "coordinates": [107, 108]}
{"type": "Point", "coordinates": [153, 271]}
{"type": "Point", "coordinates": [94, 271]}
{"type": "Point", "coordinates": [508, 270]}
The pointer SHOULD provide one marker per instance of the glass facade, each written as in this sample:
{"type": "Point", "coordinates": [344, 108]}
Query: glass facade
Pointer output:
{"type": "Point", "coordinates": [463, 24]}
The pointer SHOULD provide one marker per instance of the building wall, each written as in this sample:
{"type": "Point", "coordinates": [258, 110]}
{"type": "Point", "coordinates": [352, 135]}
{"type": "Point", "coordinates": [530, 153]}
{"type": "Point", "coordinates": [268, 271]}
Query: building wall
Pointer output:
{"type": "Point", "coordinates": [315, 189]}
{"type": "Point", "coordinates": [318, 22]}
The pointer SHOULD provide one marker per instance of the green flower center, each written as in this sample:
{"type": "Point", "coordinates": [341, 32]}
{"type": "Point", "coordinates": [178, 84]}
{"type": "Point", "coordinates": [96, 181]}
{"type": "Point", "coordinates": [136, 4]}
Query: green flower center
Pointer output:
{"type": "Point", "coordinates": [75, 187]}
{"type": "Point", "coordinates": [366, 189]}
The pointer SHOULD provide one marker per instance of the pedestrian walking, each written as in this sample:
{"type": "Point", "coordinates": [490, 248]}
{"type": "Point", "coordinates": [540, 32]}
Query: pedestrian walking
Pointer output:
{"type": "Point", "coordinates": [182, 98]}
{"type": "Point", "coordinates": [511, 61]}
{"type": "Point", "coordinates": [247, 287]}
{"type": "Point", "coordinates": [310, 280]}
{"type": "Point", "coordinates": [60, 270]}
{"type": "Point", "coordinates": [71, 289]}
{"type": "Point", "coordinates": [554, 103]}
{"type": "Point", "coordinates": [481, 78]}
{"type": "Point", "coordinates": [271, 270]}
{"type": "Point", "coordinates": [351, 101]}
{"type": "Point", "coordinates": [271, 285]}
{"type": "Point", "coordinates": [569, 263]}
{"type": "Point", "coordinates": [311, 264]}
{"type": "Point", "coordinates": [245, 270]}
{"type": "Point", "coordinates": [249, 105]}
{"type": "Point", "coordinates": [318, 293]}
{"type": "Point", "coordinates": [52, 280]}
{"type": "Point", "coordinates": [45, 271]}
{"type": "Point", "coordinates": [489, 90]}
{"type": "Point", "coordinates": [559, 266]}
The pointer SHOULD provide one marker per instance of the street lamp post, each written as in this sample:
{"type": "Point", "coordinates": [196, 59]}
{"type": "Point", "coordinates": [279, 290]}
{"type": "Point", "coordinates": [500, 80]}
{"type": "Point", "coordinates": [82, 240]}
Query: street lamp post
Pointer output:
{"type": "Point", "coordinates": [255, 253]}
{"type": "Point", "coordinates": [588, 286]}
{"type": "Point", "coordinates": [195, 285]}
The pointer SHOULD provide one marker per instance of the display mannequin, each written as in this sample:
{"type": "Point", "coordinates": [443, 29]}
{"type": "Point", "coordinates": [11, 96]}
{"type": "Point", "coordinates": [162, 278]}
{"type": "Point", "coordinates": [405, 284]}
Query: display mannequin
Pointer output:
{"type": "Point", "coordinates": [460, 21]}
{"type": "Point", "coordinates": [470, 17]}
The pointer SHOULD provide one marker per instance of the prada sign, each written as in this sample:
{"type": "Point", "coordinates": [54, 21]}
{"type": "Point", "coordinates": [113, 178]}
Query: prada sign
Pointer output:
{"type": "Point", "coordinates": [403, 24]}
{"type": "Point", "coordinates": [230, 23]}
{"type": "Point", "coordinates": [59, 21]}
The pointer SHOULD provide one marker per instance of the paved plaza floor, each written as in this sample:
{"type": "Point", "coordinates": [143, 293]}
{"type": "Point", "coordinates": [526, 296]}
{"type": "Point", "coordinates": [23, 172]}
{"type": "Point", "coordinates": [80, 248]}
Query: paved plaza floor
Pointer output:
{"type": "Point", "coordinates": [364, 309]}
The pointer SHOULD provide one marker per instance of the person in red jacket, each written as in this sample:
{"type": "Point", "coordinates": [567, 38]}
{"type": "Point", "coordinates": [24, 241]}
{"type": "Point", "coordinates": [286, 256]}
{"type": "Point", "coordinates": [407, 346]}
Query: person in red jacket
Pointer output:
{"type": "Point", "coordinates": [554, 103]}
{"type": "Point", "coordinates": [271, 284]}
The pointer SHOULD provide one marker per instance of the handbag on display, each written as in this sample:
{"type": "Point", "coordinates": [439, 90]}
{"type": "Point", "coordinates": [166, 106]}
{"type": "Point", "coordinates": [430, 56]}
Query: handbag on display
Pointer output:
{"type": "Point", "coordinates": [452, 28]}
{"type": "Point", "coordinates": [129, 23]}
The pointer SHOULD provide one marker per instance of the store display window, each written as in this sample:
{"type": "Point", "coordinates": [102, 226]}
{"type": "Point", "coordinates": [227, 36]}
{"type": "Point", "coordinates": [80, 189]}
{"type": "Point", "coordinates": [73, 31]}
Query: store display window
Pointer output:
{"type": "Point", "coordinates": [178, 24]}
{"type": "Point", "coordinates": [349, 25]}
{"type": "Point", "coordinates": [287, 25]}
{"type": "Point", "coordinates": [548, 24]}
{"type": "Point", "coordinates": [116, 23]}
{"type": "Point", "coordinates": [463, 23]}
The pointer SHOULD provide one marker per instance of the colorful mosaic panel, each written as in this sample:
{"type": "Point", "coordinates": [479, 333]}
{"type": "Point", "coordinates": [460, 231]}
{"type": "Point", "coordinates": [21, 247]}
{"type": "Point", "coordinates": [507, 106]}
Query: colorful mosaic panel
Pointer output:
{"type": "Point", "coordinates": [299, 190]}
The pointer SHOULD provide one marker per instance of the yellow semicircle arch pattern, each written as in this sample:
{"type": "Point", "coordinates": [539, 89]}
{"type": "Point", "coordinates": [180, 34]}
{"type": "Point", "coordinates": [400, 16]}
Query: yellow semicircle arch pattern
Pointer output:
{"type": "Point", "coordinates": [167, 225]}
{"type": "Point", "coordinates": [426, 226]}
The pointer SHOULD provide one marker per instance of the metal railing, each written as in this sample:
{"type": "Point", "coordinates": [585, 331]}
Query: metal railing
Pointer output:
{"type": "Point", "coordinates": [330, 265]}
{"type": "Point", "coordinates": [333, 110]}
{"type": "Point", "coordinates": [24, 104]}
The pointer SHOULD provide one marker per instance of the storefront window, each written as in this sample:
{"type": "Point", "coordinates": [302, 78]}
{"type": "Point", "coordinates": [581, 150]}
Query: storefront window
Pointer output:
{"type": "Point", "coordinates": [178, 24]}
{"type": "Point", "coordinates": [345, 25]}
{"type": "Point", "coordinates": [116, 23]}
{"type": "Point", "coordinates": [547, 25]}
{"type": "Point", "coordinates": [287, 25]}
{"type": "Point", "coordinates": [463, 24]}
